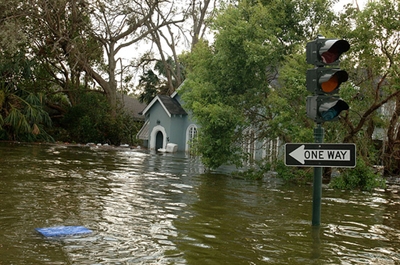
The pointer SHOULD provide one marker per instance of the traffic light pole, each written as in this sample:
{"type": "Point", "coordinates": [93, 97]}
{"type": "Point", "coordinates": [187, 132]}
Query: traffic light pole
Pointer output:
{"type": "Point", "coordinates": [317, 184]}
{"type": "Point", "coordinates": [325, 105]}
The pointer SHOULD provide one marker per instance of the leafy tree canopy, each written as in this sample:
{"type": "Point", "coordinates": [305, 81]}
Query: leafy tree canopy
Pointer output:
{"type": "Point", "coordinates": [235, 79]}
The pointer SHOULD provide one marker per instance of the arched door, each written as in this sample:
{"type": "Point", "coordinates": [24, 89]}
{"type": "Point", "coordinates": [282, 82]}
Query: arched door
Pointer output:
{"type": "Point", "coordinates": [159, 140]}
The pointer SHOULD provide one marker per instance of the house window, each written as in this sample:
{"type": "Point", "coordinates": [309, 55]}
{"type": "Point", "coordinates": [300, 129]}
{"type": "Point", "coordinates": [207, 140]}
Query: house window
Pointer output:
{"type": "Point", "coordinates": [249, 144]}
{"type": "Point", "coordinates": [191, 134]}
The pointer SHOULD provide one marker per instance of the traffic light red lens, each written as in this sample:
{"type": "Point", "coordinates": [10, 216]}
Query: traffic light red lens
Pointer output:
{"type": "Point", "coordinates": [329, 57]}
{"type": "Point", "coordinates": [334, 52]}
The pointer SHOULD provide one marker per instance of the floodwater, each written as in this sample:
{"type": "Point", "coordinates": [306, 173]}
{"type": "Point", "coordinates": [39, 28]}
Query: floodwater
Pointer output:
{"type": "Point", "coordinates": [147, 208]}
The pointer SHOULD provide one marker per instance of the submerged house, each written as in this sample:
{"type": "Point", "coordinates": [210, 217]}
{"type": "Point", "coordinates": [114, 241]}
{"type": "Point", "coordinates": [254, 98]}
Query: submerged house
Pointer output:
{"type": "Point", "coordinates": [167, 127]}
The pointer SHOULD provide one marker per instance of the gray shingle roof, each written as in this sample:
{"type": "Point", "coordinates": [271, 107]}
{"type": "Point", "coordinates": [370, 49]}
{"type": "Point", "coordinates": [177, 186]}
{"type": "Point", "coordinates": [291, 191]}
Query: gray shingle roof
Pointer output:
{"type": "Point", "coordinates": [131, 105]}
{"type": "Point", "coordinates": [172, 105]}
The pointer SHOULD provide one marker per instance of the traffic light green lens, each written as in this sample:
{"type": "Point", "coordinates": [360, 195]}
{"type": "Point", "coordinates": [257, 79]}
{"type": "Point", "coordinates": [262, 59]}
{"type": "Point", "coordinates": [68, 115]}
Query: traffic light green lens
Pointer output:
{"type": "Point", "coordinates": [329, 114]}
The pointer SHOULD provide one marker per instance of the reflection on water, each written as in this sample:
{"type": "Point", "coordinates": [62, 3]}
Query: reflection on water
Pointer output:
{"type": "Point", "coordinates": [147, 208]}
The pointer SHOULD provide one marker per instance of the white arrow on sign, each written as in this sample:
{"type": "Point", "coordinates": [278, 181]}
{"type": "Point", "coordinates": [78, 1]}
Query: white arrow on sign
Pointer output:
{"type": "Point", "coordinates": [301, 154]}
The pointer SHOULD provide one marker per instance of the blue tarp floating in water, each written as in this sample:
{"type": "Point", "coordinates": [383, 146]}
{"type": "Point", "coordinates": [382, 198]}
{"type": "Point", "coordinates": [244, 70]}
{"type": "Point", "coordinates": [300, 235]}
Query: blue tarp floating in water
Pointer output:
{"type": "Point", "coordinates": [63, 231]}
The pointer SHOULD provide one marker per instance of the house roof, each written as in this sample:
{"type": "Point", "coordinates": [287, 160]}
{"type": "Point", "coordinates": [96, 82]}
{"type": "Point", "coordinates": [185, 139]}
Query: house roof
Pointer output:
{"type": "Point", "coordinates": [170, 105]}
{"type": "Point", "coordinates": [143, 134]}
{"type": "Point", "coordinates": [131, 105]}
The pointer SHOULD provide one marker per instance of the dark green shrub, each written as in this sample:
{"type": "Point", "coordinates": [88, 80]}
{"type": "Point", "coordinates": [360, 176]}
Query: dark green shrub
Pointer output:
{"type": "Point", "coordinates": [90, 121]}
{"type": "Point", "coordinates": [361, 177]}
{"type": "Point", "coordinates": [83, 121]}
{"type": "Point", "coordinates": [294, 174]}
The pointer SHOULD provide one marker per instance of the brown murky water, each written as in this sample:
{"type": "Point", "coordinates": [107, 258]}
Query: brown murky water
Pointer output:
{"type": "Point", "coordinates": [147, 208]}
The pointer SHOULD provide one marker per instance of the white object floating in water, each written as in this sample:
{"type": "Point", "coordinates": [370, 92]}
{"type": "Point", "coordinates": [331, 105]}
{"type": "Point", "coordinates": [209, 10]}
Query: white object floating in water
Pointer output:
{"type": "Point", "coordinates": [63, 231]}
{"type": "Point", "coordinates": [170, 148]}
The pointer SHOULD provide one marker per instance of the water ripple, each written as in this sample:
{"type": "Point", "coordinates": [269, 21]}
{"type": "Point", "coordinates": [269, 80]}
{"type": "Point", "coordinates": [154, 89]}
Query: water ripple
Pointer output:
{"type": "Point", "coordinates": [148, 208]}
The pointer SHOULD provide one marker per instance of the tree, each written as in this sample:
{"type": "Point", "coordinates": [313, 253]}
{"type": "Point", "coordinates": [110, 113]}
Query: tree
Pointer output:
{"type": "Point", "coordinates": [10, 20]}
{"type": "Point", "coordinates": [149, 84]}
{"type": "Point", "coordinates": [231, 81]}
{"type": "Point", "coordinates": [22, 114]}
{"type": "Point", "coordinates": [80, 31]}
{"type": "Point", "coordinates": [22, 103]}
{"type": "Point", "coordinates": [201, 14]}
{"type": "Point", "coordinates": [120, 25]}
{"type": "Point", "coordinates": [374, 93]}
{"type": "Point", "coordinates": [168, 41]}
{"type": "Point", "coordinates": [59, 33]}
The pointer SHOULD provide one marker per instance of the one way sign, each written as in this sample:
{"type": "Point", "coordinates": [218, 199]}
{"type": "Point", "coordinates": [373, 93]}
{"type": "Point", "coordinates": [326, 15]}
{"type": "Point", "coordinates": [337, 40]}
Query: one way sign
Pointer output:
{"type": "Point", "coordinates": [320, 155]}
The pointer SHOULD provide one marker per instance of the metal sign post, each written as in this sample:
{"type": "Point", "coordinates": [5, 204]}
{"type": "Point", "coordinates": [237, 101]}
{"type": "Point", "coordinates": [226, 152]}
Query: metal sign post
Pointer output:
{"type": "Point", "coordinates": [319, 155]}
{"type": "Point", "coordinates": [317, 182]}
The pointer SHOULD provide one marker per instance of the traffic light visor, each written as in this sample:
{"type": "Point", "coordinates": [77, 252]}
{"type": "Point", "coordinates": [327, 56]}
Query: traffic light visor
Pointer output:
{"type": "Point", "coordinates": [332, 49]}
{"type": "Point", "coordinates": [330, 83]}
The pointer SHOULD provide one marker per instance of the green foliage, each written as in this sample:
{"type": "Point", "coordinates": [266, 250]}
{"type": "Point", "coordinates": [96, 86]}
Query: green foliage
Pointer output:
{"type": "Point", "coordinates": [361, 177]}
{"type": "Point", "coordinates": [22, 114]}
{"type": "Point", "coordinates": [218, 120]}
{"type": "Point", "coordinates": [23, 117]}
{"type": "Point", "coordinates": [149, 85]}
{"type": "Point", "coordinates": [373, 66]}
{"type": "Point", "coordinates": [90, 121]}
{"type": "Point", "coordinates": [294, 174]}
{"type": "Point", "coordinates": [231, 86]}
{"type": "Point", "coordinates": [218, 123]}
{"type": "Point", "coordinates": [286, 103]}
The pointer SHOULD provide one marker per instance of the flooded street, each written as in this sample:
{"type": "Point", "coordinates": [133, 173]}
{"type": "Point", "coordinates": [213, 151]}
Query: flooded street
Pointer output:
{"type": "Point", "coordinates": [147, 208]}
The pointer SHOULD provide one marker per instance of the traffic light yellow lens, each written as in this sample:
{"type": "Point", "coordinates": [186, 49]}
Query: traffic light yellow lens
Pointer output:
{"type": "Point", "coordinates": [330, 85]}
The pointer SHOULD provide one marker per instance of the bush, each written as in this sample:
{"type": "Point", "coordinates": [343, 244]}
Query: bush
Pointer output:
{"type": "Point", "coordinates": [90, 121]}
{"type": "Point", "coordinates": [361, 177]}
{"type": "Point", "coordinates": [294, 174]}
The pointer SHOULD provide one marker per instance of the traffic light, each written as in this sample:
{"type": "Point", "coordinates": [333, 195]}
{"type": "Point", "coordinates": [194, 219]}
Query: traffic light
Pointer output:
{"type": "Point", "coordinates": [324, 80]}
{"type": "Point", "coordinates": [323, 51]}
{"type": "Point", "coordinates": [323, 108]}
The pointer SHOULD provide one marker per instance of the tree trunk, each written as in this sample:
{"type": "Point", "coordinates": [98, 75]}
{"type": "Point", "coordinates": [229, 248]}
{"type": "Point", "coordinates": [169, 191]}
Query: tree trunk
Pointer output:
{"type": "Point", "coordinates": [391, 155]}
{"type": "Point", "coordinates": [111, 90]}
